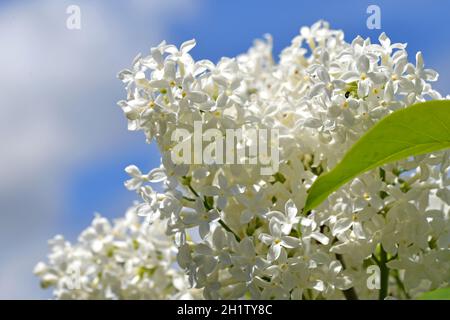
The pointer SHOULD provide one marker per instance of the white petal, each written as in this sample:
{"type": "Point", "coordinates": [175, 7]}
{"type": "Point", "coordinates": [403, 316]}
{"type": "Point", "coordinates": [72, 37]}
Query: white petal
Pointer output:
{"type": "Point", "coordinates": [290, 242]}
{"type": "Point", "coordinates": [316, 89]}
{"type": "Point", "coordinates": [203, 229]}
{"type": "Point", "coordinates": [377, 77]}
{"type": "Point", "coordinates": [158, 84]}
{"type": "Point", "coordinates": [157, 175]}
{"type": "Point", "coordinates": [187, 46]}
{"type": "Point", "coordinates": [274, 252]}
{"type": "Point", "coordinates": [384, 40]}
{"type": "Point", "coordinates": [358, 230]}
{"type": "Point", "coordinates": [323, 75]}
{"type": "Point", "coordinates": [197, 97]}
{"type": "Point", "coordinates": [276, 215]}
{"type": "Point", "coordinates": [133, 171]}
{"type": "Point", "coordinates": [342, 225]}
{"type": "Point", "coordinates": [266, 238]}
{"type": "Point", "coordinates": [319, 286]}
{"type": "Point", "coordinates": [312, 123]}
{"type": "Point", "coordinates": [246, 216]}
{"type": "Point", "coordinates": [323, 239]}
{"type": "Point", "coordinates": [247, 248]}
{"type": "Point", "coordinates": [275, 228]}
{"type": "Point", "coordinates": [222, 202]}
{"type": "Point", "coordinates": [363, 64]}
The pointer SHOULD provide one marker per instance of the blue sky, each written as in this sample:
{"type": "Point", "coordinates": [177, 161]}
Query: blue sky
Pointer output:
{"type": "Point", "coordinates": [65, 142]}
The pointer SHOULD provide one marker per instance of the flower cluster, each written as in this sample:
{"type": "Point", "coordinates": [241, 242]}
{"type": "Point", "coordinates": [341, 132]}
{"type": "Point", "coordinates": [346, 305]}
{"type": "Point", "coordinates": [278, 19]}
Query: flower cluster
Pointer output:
{"type": "Point", "coordinates": [238, 233]}
{"type": "Point", "coordinates": [120, 260]}
{"type": "Point", "coordinates": [243, 234]}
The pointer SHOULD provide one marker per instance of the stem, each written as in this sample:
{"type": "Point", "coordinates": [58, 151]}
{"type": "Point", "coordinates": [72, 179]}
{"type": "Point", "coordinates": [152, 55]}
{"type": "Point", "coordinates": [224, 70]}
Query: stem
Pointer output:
{"type": "Point", "coordinates": [384, 277]}
{"type": "Point", "coordinates": [224, 225]}
{"type": "Point", "coordinates": [221, 222]}
{"type": "Point", "coordinates": [374, 258]}
{"type": "Point", "coordinates": [193, 191]}
{"type": "Point", "coordinates": [349, 294]}
{"type": "Point", "coordinates": [401, 285]}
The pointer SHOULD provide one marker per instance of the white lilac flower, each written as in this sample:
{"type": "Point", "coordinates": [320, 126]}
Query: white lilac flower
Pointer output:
{"type": "Point", "coordinates": [119, 260]}
{"type": "Point", "coordinates": [277, 240]}
{"type": "Point", "coordinates": [321, 103]}
{"type": "Point", "coordinates": [289, 219]}
{"type": "Point", "coordinates": [240, 234]}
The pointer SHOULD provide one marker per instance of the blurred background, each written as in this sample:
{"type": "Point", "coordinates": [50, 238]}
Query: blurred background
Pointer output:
{"type": "Point", "coordinates": [64, 142]}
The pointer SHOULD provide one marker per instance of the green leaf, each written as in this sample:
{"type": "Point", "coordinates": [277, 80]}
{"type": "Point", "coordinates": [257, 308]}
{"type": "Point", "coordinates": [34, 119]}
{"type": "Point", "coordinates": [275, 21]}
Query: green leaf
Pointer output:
{"type": "Point", "coordinates": [438, 294]}
{"type": "Point", "coordinates": [418, 129]}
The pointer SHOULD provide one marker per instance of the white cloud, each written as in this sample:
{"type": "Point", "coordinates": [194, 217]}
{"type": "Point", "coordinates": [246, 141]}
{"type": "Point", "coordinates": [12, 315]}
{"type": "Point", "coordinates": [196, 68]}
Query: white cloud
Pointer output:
{"type": "Point", "coordinates": [58, 109]}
